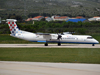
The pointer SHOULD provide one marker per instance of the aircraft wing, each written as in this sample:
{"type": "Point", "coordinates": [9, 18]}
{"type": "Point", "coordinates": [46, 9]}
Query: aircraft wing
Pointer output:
{"type": "Point", "coordinates": [49, 36]}
{"type": "Point", "coordinates": [43, 33]}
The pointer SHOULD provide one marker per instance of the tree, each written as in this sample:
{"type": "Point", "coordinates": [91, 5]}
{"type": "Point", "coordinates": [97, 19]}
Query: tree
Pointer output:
{"type": "Point", "coordinates": [17, 17]}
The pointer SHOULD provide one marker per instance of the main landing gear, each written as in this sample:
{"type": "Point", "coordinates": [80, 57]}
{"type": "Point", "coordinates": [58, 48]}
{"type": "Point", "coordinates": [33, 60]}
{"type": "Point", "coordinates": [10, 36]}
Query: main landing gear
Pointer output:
{"type": "Point", "coordinates": [93, 45]}
{"type": "Point", "coordinates": [59, 44]}
{"type": "Point", "coordinates": [46, 44]}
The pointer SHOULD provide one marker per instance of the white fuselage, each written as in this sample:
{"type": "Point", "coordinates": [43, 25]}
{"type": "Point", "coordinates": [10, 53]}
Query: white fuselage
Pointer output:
{"type": "Point", "coordinates": [67, 38]}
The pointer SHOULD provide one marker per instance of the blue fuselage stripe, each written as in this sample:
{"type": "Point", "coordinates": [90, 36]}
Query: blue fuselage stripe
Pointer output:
{"type": "Point", "coordinates": [66, 42]}
{"type": "Point", "coordinates": [41, 41]}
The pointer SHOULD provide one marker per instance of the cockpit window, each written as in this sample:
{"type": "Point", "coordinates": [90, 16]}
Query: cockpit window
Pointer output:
{"type": "Point", "coordinates": [89, 37]}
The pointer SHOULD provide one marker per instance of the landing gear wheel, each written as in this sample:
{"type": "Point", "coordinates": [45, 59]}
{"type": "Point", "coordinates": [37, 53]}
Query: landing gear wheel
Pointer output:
{"type": "Point", "coordinates": [93, 45]}
{"type": "Point", "coordinates": [59, 44]}
{"type": "Point", "coordinates": [46, 44]}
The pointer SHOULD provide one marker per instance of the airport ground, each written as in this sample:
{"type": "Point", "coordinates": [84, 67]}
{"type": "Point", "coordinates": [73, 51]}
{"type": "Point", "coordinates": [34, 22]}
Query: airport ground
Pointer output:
{"type": "Point", "coordinates": [50, 60]}
{"type": "Point", "coordinates": [42, 68]}
{"type": "Point", "coordinates": [51, 53]}
{"type": "Point", "coordinates": [49, 46]}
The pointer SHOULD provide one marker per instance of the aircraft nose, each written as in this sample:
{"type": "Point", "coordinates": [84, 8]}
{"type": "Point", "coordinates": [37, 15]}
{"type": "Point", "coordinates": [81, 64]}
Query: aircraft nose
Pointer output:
{"type": "Point", "coordinates": [97, 42]}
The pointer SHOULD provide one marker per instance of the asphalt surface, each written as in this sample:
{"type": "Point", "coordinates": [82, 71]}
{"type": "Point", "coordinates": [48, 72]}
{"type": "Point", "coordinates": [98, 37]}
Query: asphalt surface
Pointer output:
{"type": "Point", "coordinates": [37, 68]}
{"type": "Point", "coordinates": [49, 46]}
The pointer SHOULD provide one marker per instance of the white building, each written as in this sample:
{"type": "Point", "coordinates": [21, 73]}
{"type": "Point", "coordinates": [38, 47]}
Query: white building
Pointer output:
{"type": "Point", "coordinates": [48, 19]}
{"type": "Point", "coordinates": [60, 18]}
{"type": "Point", "coordinates": [98, 19]}
{"type": "Point", "coordinates": [94, 19]}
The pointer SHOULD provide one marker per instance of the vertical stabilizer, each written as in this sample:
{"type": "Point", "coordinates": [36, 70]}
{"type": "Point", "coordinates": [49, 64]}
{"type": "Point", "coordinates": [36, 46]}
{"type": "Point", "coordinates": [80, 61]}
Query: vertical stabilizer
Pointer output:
{"type": "Point", "coordinates": [12, 26]}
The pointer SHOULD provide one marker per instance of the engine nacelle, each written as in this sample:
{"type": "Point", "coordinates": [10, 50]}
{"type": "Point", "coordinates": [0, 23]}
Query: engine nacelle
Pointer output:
{"type": "Point", "coordinates": [55, 36]}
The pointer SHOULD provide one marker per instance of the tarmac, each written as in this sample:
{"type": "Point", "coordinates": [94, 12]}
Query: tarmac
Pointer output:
{"type": "Point", "coordinates": [42, 68]}
{"type": "Point", "coordinates": [49, 46]}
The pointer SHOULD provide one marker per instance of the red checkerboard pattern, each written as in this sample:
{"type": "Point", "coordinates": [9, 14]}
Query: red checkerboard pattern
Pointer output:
{"type": "Point", "coordinates": [13, 27]}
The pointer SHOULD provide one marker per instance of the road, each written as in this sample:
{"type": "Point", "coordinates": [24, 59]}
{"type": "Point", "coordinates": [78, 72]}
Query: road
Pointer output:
{"type": "Point", "coordinates": [49, 46]}
{"type": "Point", "coordinates": [41, 68]}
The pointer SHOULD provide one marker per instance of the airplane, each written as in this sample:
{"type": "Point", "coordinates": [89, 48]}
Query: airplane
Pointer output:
{"type": "Point", "coordinates": [49, 37]}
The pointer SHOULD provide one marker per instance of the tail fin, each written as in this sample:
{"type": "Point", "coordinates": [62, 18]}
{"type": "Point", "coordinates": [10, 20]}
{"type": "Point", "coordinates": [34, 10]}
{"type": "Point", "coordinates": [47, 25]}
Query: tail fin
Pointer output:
{"type": "Point", "coordinates": [12, 26]}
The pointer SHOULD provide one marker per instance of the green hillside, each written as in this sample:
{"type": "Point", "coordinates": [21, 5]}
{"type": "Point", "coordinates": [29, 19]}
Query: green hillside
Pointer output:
{"type": "Point", "coordinates": [86, 8]}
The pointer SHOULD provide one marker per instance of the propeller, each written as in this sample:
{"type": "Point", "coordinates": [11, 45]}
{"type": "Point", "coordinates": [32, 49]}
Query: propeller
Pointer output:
{"type": "Point", "coordinates": [59, 36]}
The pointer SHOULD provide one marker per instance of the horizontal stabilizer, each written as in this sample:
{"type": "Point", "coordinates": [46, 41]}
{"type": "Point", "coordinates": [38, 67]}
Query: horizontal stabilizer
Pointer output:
{"type": "Point", "coordinates": [11, 20]}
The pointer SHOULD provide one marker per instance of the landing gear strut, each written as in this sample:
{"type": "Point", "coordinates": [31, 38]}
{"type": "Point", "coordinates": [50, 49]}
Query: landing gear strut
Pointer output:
{"type": "Point", "coordinates": [59, 44]}
{"type": "Point", "coordinates": [46, 44]}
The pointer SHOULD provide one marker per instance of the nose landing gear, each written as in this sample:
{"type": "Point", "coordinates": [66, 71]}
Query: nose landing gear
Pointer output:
{"type": "Point", "coordinates": [93, 45]}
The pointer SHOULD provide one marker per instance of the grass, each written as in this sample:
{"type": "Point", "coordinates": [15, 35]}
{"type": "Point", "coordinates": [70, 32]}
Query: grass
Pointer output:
{"type": "Point", "coordinates": [63, 55]}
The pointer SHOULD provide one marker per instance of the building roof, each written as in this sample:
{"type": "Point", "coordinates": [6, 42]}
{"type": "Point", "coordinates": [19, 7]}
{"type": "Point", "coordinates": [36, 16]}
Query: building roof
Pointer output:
{"type": "Point", "coordinates": [37, 17]}
{"type": "Point", "coordinates": [29, 19]}
{"type": "Point", "coordinates": [75, 20]}
{"type": "Point", "coordinates": [62, 17]}
{"type": "Point", "coordinates": [79, 17]}
{"type": "Point", "coordinates": [96, 17]}
{"type": "Point", "coordinates": [46, 17]}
